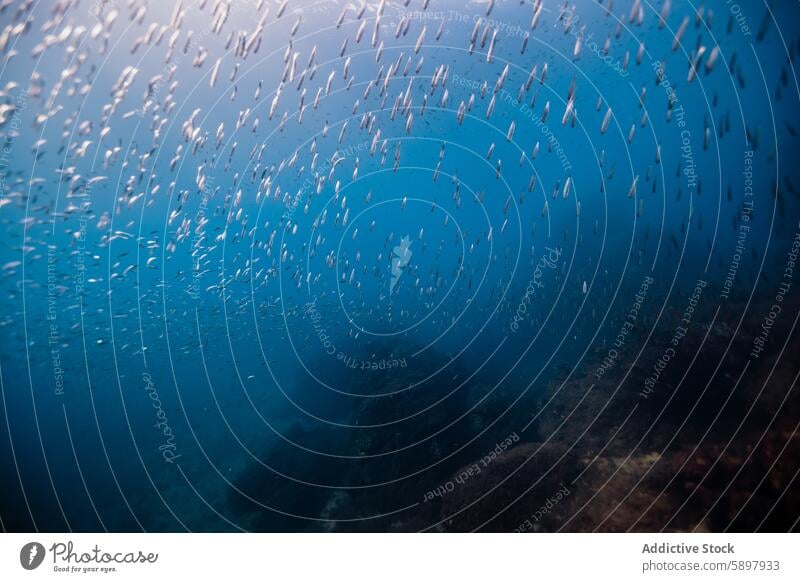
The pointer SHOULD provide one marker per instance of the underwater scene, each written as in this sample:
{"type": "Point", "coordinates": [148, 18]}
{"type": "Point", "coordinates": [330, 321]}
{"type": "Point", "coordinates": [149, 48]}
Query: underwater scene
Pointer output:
{"type": "Point", "coordinates": [399, 265]}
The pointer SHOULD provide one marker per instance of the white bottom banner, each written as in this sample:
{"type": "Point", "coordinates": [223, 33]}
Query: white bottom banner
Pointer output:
{"type": "Point", "coordinates": [400, 557]}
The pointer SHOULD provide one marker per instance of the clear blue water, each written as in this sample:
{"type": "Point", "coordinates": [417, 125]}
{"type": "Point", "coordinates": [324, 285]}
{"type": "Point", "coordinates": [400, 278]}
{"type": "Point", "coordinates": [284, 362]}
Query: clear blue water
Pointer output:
{"type": "Point", "coordinates": [260, 370]}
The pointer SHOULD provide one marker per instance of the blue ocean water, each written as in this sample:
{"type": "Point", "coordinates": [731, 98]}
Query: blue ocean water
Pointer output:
{"type": "Point", "coordinates": [278, 273]}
